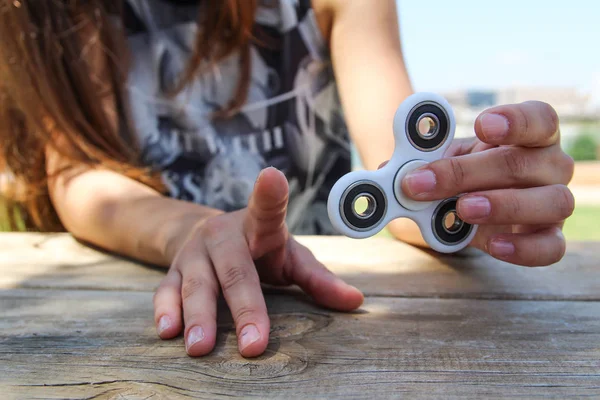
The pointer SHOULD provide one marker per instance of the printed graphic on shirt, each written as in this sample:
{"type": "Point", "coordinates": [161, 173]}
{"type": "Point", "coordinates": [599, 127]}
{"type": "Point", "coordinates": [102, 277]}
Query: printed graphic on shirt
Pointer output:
{"type": "Point", "coordinates": [292, 120]}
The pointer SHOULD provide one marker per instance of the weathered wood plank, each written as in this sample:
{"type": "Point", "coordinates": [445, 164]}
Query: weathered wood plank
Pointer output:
{"type": "Point", "coordinates": [99, 344]}
{"type": "Point", "coordinates": [58, 261]}
{"type": "Point", "coordinates": [378, 266]}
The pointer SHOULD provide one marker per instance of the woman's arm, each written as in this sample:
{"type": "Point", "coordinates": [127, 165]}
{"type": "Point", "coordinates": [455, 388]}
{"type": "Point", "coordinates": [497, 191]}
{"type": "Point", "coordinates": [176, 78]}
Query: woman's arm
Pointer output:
{"type": "Point", "coordinates": [119, 214]}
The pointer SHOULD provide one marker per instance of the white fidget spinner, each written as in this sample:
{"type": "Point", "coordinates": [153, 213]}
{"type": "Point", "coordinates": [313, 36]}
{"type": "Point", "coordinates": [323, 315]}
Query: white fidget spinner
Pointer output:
{"type": "Point", "coordinates": [424, 127]}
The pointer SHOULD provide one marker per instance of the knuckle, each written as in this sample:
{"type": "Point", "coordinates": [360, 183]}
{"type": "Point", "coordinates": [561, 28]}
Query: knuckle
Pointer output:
{"type": "Point", "coordinates": [561, 250]}
{"type": "Point", "coordinates": [275, 206]}
{"type": "Point", "coordinates": [233, 276]}
{"type": "Point", "coordinates": [565, 201]}
{"type": "Point", "coordinates": [191, 286]}
{"type": "Point", "coordinates": [515, 164]}
{"type": "Point", "coordinates": [214, 227]}
{"type": "Point", "coordinates": [568, 166]}
{"type": "Point", "coordinates": [513, 205]}
{"type": "Point", "coordinates": [555, 250]}
{"type": "Point", "coordinates": [266, 226]}
{"type": "Point", "coordinates": [457, 172]}
{"type": "Point", "coordinates": [543, 112]}
{"type": "Point", "coordinates": [560, 165]}
{"type": "Point", "coordinates": [244, 313]}
{"type": "Point", "coordinates": [551, 116]}
{"type": "Point", "coordinates": [271, 215]}
{"type": "Point", "coordinates": [519, 121]}
{"type": "Point", "coordinates": [197, 318]}
{"type": "Point", "coordinates": [312, 281]}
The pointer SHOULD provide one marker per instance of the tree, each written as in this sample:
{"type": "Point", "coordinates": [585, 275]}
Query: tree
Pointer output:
{"type": "Point", "coordinates": [584, 148]}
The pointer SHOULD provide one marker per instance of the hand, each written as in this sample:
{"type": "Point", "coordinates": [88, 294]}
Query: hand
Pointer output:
{"type": "Point", "coordinates": [233, 253]}
{"type": "Point", "coordinates": [513, 176]}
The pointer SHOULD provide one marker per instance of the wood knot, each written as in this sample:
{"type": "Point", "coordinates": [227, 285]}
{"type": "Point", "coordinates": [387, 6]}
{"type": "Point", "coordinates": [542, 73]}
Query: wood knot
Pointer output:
{"type": "Point", "coordinates": [272, 364]}
{"type": "Point", "coordinates": [288, 326]}
{"type": "Point", "coordinates": [284, 356]}
{"type": "Point", "coordinates": [293, 326]}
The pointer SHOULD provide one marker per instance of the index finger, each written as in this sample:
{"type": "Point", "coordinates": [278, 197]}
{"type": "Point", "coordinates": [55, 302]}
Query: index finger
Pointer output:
{"type": "Point", "coordinates": [528, 124]}
{"type": "Point", "coordinates": [240, 283]}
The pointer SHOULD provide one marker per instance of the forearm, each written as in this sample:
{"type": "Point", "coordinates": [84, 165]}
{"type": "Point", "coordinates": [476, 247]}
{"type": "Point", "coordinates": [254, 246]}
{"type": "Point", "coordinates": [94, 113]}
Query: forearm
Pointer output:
{"type": "Point", "coordinates": [123, 216]}
{"type": "Point", "coordinates": [371, 74]}
{"type": "Point", "coordinates": [373, 81]}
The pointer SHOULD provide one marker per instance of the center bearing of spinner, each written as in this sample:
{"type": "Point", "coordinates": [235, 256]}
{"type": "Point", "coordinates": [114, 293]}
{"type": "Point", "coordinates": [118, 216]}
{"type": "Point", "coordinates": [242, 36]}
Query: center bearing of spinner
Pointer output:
{"type": "Point", "coordinates": [404, 200]}
{"type": "Point", "coordinates": [427, 126]}
{"type": "Point", "coordinates": [369, 206]}
{"type": "Point", "coordinates": [366, 192]}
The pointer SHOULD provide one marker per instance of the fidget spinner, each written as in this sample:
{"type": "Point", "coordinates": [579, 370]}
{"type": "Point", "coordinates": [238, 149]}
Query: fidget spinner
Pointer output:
{"type": "Point", "coordinates": [362, 203]}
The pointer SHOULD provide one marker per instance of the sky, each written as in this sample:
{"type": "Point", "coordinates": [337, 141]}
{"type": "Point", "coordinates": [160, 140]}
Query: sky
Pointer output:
{"type": "Point", "coordinates": [485, 45]}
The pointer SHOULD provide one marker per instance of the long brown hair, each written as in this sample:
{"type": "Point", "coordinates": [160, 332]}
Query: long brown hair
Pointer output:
{"type": "Point", "coordinates": [62, 68]}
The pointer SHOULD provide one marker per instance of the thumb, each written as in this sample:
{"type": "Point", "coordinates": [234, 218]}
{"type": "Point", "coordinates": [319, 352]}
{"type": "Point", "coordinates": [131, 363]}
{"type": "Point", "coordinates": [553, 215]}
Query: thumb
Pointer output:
{"type": "Point", "coordinates": [264, 223]}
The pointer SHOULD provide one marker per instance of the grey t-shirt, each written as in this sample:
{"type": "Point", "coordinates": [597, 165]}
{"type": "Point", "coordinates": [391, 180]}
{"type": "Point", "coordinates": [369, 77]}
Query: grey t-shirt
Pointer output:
{"type": "Point", "coordinates": [292, 120]}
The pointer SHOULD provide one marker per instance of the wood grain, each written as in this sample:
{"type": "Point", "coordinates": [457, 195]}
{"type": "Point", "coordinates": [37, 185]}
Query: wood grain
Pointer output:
{"type": "Point", "coordinates": [378, 266]}
{"type": "Point", "coordinates": [99, 344]}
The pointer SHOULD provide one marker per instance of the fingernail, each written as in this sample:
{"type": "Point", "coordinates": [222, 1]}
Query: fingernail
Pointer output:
{"type": "Point", "coordinates": [164, 323]}
{"type": "Point", "coordinates": [494, 126]}
{"type": "Point", "coordinates": [420, 181]}
{"type": "Point", "coordinates": [264, 170]}
{"type": "Point", "coordinates": [249, 335]}
{"type": "Point", "coordinates": [475, 207]}
{"type": "Point", "coordinates": [195, 335]}
{"type": "Point", "coordinates": [501, 248]}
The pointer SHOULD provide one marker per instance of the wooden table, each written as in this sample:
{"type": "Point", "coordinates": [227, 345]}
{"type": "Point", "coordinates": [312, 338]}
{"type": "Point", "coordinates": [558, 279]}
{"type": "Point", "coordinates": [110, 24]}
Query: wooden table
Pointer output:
{"type": "Point", "coordinates": [77, 323]}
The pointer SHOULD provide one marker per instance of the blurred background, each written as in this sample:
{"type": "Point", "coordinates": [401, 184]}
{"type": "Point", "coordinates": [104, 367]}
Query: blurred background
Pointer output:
{"type": "Point", "coordinates": [480, 54]}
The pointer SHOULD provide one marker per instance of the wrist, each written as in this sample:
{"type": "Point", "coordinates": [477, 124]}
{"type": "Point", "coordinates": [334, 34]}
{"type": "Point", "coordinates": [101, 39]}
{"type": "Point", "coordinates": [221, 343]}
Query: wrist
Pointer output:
{"type": "Point", "coordinates": [177, 228]}
{"type": "Point", "coordinates": [407, 231]}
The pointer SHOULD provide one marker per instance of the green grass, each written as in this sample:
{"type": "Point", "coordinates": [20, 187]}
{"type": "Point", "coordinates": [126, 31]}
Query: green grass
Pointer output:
{"type": "Point", "coordinates": [3, 217]}
{"type": "Point", "coordinates": [4, 224]}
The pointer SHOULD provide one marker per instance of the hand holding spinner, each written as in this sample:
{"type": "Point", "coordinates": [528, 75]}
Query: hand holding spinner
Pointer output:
{"type": "Point", "coordinates": [423, 127]}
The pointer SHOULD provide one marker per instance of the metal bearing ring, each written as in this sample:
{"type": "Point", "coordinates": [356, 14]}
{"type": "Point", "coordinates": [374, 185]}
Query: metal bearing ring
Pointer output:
{"type": "Point", "coordinates": [376, 205]}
